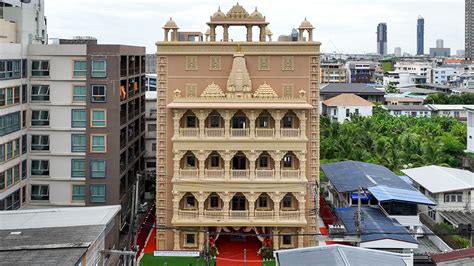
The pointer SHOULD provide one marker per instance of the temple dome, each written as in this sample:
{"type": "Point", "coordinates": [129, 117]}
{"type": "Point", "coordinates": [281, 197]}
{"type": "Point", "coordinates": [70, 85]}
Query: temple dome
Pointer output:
{"type": "Point", "coordinates": [170, 24]}
{"type": "Point", "coordinates": [306, 24]}
{"type": "Point", "coordinates": [237, 12]}
{"type": "Point", "coordinates": [219, 14]}
{"type": "Point", "coordinates": [256, 15]}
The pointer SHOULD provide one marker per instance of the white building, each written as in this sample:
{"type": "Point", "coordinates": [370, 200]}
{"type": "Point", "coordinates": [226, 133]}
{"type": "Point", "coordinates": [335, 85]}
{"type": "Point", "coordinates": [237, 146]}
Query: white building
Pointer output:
{"type": "Point", "coordinates": [22, 24]}
{"type": "Point", "coordinates": [344, 106]}
{"type": "Point", "coordinates": [470, 130]}
{"type": "Point", "coordinates": [419, 68]}
{"type": "Point", "coordinates": [150, 82]}
{"type": "Point", "coordinates": [452, 189]}
{"type": "Point", "coordinates": [408, 110]}
{"type": "Point", "coordinates": [403, 79]}
{"type": "Point", "coordinates": [457, 111]}
{"type": "Point", "coordinates": [442, 75]}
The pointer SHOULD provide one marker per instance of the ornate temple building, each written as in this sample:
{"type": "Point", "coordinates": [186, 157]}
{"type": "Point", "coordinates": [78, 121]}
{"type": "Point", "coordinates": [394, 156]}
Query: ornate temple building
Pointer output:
{"type": "Point", "coordinates": [237, 135]}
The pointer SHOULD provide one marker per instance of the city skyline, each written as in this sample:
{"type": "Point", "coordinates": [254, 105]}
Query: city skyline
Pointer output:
{"type": "Point", "coordinates": [400, 16]}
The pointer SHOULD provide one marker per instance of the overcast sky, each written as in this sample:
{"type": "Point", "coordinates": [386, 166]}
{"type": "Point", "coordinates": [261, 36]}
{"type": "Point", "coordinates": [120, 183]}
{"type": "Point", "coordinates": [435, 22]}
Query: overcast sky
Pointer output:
{"type": "Point", "coordinates": [347, 26]}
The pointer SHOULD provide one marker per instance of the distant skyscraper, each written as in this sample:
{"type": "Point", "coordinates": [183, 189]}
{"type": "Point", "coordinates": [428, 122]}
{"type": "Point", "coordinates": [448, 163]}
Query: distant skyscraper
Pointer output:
{"type": "Point", "coordinates": [420, 36]}
{"type": "Point", "coordinates": [440, 43]}
{"type": "Point", "coordinates": [469, 34]}
{"type": "Point", "coordinates": [398, 52]}
{"type": "Point", "coordinates": [382, 38]}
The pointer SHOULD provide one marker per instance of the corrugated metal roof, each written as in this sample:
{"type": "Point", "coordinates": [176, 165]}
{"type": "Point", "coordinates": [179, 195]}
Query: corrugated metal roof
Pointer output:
{"type": "Point", "coordinates": [441, 179]}
{"type": "Point", "coordinates": [387, 194]}
{"type": "Point", "coordinates": [339, 255]}
{"type": "Point", "coordinates": [349, 175]}
{"type": "Point", "coordinates": [356, 88]}
{"type": "Point", "coordinates": [375, 225]}
{"type": "Point", "coordinates": [457, 217]}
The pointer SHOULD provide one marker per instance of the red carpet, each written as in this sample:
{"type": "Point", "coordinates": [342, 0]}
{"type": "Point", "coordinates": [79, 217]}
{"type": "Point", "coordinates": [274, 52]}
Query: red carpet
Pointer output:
{"type": "Point", "coordinates": [150, 245]}
{"type": "Point", "coordinates": [231, 251]}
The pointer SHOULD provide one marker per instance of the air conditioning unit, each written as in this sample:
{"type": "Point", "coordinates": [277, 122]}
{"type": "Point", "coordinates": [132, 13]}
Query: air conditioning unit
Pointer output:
{"type": "Point", "coordinates": [336, 229]}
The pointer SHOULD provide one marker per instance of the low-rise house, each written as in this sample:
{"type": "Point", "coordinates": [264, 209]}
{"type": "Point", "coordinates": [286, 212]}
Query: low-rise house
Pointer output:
{"type": "Point", "coordinates": [369, 92]}
{"type": "Point", "coordinates": [398, 100]}
{"type": "Point", "coordinates": [457, 111]}
{"type": "Point", "coordinates": [455, 257]}
{"type": "Point", "coordinates": [452, 190]}
{"type": "Point", "coordinates": [64, 236]}
{"type": "Point", "coordinates": [344, 106]}
{"type": "Point", "coordinates": [408, 110]}
{"type": "Point", "coordinates": [340, 255]}
{"type": "Point", "coordinates": [470, 129]}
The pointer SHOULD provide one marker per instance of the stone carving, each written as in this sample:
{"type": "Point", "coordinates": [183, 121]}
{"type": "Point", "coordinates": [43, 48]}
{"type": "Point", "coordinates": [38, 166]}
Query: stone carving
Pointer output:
{"type": "Point", "coordinates": [191, 90]}
{"type": "Point", "coordinates": [288, 63]}
{"type": "Point", "coordinates": [215, 63]}
{"type": "Point", "coordinates": [213, 90]}
{"type": "Point", "coordinates": [239, 84]}
{"type": "Point", "coordinates": [287, 90]}
{"type": "Point", "coordinates": [265, 91]}
{"type": "Point", "coordinates": [191, 63]}
{"type": "Point", "coordinates": [263, 63]}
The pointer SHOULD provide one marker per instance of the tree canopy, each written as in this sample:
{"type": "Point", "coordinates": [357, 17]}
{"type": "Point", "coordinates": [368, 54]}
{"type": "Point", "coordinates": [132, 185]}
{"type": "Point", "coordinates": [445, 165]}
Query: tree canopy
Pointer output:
{"type": "Point", "coordinates": [443, 98]}
{"type": "Point", "coordinates": [394, 141]}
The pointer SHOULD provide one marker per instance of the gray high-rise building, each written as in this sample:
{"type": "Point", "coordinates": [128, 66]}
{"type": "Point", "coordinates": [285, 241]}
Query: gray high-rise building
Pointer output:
{"type": "Point", "coordinates": [469, 34]}
{"type": "Point", "coordinates": [420, 36]}
{"type": "Point", "coordinates": [382, 38]}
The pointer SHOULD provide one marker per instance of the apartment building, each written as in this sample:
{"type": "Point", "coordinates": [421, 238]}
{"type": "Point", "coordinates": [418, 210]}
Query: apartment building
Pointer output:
{"type": "Point", "coordinates": [150, 135]}
{"type": "Point", "coordinates": [333, 72]}
{"type": "Point", "coordinates": [418, 68]}
{"type": "Point", "coordinates": [361, 72]}
{"type": "Point", "coordinates": [21, 24]}
{"type": "Point", "coordinates": [222, 106]}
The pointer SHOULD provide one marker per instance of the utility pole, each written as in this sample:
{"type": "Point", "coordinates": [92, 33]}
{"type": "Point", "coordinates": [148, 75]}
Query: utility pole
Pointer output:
{"type": "Point", "coordinates": [358, 222]}
{"type": "Point", "coordinates": [135, 220]}
{"type": "Point", "coordinates": [245, 257]}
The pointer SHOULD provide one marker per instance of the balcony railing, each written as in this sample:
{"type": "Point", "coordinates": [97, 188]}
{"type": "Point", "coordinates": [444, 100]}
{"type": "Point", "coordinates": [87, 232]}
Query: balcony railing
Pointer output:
{"type": "Point", "coordinates": [264, 215]}
{"type": "Point", "coordinates": [188, 215]}
{"type": "Point", "coordinates": [289, 215]}
{"type": "Point", "coordinates": [239, 215]}
{"type": "Point", "coordinates": [214, 132]}
{"type": "Point", "coordinates": [189, 173]}
{"type": "Point", "coordinates": [189, 132]}
{"type": "Point", "coordinates": [290, 132]}
{"type": "Point", "coordinates": [214, 174]}
{"type": "Point", "coordinates": [239, 132]}
{"type": "Point", "coordinates": [240, 174]}
{"type": "Point", "coordinates": [290, 174]}
{"type": "Point", "coordinates": [265, 132]}
{"type": "Point", "coordinates": [245, 215]}
{"type": "Point", "coordinates": [265, 174]}
{"type": "Point", "coordinates": [213, 215]}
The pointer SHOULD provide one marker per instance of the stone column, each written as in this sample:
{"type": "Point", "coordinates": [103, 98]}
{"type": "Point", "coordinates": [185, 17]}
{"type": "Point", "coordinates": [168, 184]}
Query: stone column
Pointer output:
{"type": "Point", "coordinates": [212, 33]}
{"type": "Point", "coordinates": [175, 35]}
{"type": "Point", "coordinates": [300, 238]}
{"type": "Point", "coordinates": [249, 33]}
{"type": "Point", "coordinates": [276, 239]}
{"type": "Point", "coordinates": [226, 197]}
{"type": "Point", "coordinates": [302, 117]}
{"type": "Point", "coordinates": [252, 116]}
{"type": "Point", "coordinates": [310, 35]}
{"type": "Point", "coordinates": [277, 116]}
{"type": "Point", "coordinates": [251, 198]}
{"type": "Point", "coordinates": [176, 240]}
{"type": "Point", "coordinates": [201, 198]}
{"type": "Point", "coordinates": [276, 198]}
{"type": "Point", "coordinates": [300, 35]}
{"type": "Point", "coordinates": [202, 115]}
{"type": "Point", "coordinates": [252, 157]}
{"type": "Point", "coordinates": [227, 116]}
{"type": "Point", "coordinates": [202, 156]}
{"type": "Point", "coordinates": [176, 118]}
{"type": "Point", "coordinates": [166, 34]}
{"type": "Point", "coordinates": [262, 33]}
{"type": "Point", "coordinates": [226, 33]}
{"type": "Point", "coordinates": [301, 197]}
{"type": "Point", "coordinates": [201, 238]}
{"type": "Point", "coordinates": [277, 156]}
{"type": "Point", "coordinates": [176, 166]}
{"type": "Point", "coordinates": [227, 157]}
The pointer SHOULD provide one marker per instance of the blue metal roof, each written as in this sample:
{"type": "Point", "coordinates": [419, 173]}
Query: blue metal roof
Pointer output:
{"type": "Point", "coordinates": [349, 175]}
{"type": "Point", "coordinates": [387, 194]}
{"type": "Point", "coordinates": [375, 225]}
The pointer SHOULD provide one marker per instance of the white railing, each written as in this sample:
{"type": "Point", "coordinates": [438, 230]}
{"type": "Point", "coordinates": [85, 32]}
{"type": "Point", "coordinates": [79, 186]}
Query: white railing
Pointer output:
{"type": "Point", "coordinates": [264, 215]}
{"type": "Point", "coordinates": [264, 174]}
{"type": "Point", "coordinates": [264, 132]}
{"type": "Point", "coordinates": [189, 132]}
{"type": "Point", "coordinates": [239, 215]}
{"type": "Point", "coordinates": [213, 215]}
{"type": "Point", "coordinates": [189, 173]}
{"type": "Point", "coordinates": [290, 174]}
{"type": "Point", "coordinates": [239, 132]}
{"type": "Point", "coordinates": [289, 215]}
{"type": "Point", "coordinates": [239, 174]}
{"type": "Point", "coordinates": [214, 174]}
{"type": "Point", "coordinates": [290, 133]}
{"type": "Point", "coordinates": [214, 132]}
{"type": "Point", "coordinates": [188, 215]}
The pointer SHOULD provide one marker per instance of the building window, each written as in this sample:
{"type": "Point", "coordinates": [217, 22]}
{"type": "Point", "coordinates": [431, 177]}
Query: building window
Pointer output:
{"type": "Point", "coordinates": [80, 68]}
{"type": "Point", "coordinates": [356, 111]}
{"type": "Point", "coordinates": [153, 146]}
{"type": "Point", "coordinates": [287, 240]}
{"type": "Point", "coordinates": [39, 93]}
{"type": "Point", "coordinates": [288, 121]}
{"type": "Point", "coordinates": [432, 213]}
{"type": "Point", "coordinates": [98, 143]}
{"type": "Point", "coordinates": [287, 202]}
{"type": "Point", "coordinates": [24, 169]}
{"type": "Point", "coordinates": [10, 69]}
{"type": "Point", "coordinates": [190, 161]}
{"type": "Point", "coordinates": [214, 201]}
{"type": "Point", "coordinates": [10, 123]}
{"type": "Point", "coordinates": [40, 143]}
{"type": "Point", "coordinates": [215, 121]}
{"type": "Point", "coordinates": [98, 193]}
{"type": "Point", "coordinates": [40, 167]}
{"type": "Point", "coordinates": [453, 197]}
{"type": "Point", "coordinates": [39, 192]}
{"type": "Point", "coordinates": [264, 122]}
{"type": "Point", "coordinates": [78, 118]}
{"type": "Point", "coordinates": [78, 143]}
{"type": "Point", "coordinates": [263, 162]}
{"type": "Point", "coordinates": [99, 69]}
{"type": "Point", "coordinates": [24, 144]}
{"type": "Point", "coordinates": [288, 161]}
{"type": "Point", "coordinates": [79, 94]}
{"type": "Point", "coordinates": [24, 94]}
{"type": "Point", "coordinates": [98, 168]}
{"type": "Point", "coordinates": [190, 239]}
{"type": "Point", "coordinates": [348, 112]}
{"type": "Point", "coordinates": [191, 121]}
{"type": "Point", "coordinates": [215, 161]}
{"type": "Point", "coordinates": [263, 202]}
{"type": "Point", "coordinates": [78, 192]}
{"type": "Point", "coordinates": [190, 202]}
{"type": "Point", "coordinates": [78, 168]}
{"type": "Point", "coordinates": [99, 94]}
{"type": "Point", "coordinates": [40, 68]}
{"type": "Point", "coordinates": [151, 127]}
{"type": "Point", "coordinates": [98, 118]}
{"type": "Point", "coordinates": [40, 118]}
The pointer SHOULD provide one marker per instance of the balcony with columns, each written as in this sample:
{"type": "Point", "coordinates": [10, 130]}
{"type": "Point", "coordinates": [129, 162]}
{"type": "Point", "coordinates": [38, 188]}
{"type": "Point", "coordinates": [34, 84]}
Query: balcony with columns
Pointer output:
{"type": "Point", "coordinates": [211, 208]}
{"type": "Point", "coordinates": [239, 124]}
{"type": "Point", "coordinates": [261, 166]}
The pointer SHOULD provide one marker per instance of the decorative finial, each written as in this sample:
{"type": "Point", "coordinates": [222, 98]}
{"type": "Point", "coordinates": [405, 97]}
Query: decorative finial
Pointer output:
{"type": "Point", "coordinates": [255, 9]}
{"type": "Point", "coordinates": [219, 9]}
{"type": "Point", "coordinates": [171, 18]}
{"type": "Point", "coordinates": [304, 18]}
